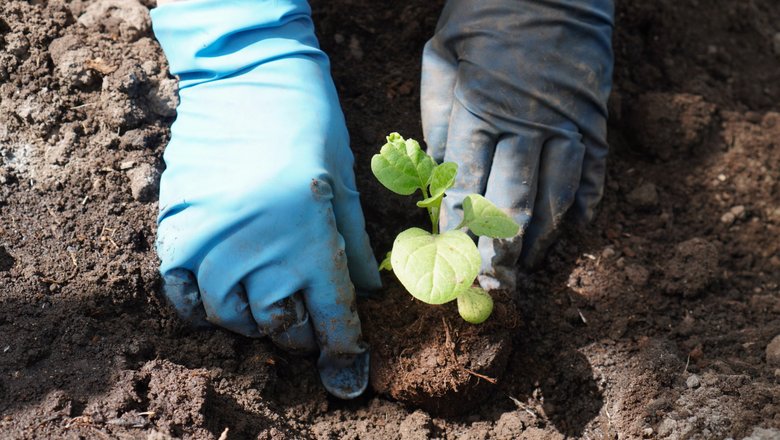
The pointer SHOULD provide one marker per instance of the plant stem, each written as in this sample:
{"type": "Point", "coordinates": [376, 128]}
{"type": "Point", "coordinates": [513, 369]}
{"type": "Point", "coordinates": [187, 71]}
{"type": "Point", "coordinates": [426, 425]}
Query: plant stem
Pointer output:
{"type": "Point", "coordinates": [433, 213]}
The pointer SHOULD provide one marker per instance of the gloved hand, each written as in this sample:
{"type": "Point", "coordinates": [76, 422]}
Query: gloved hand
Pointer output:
{"type": "Point", "coordinates": [260, 225]}
{"type": "Point", "coordinates": [515, 92]}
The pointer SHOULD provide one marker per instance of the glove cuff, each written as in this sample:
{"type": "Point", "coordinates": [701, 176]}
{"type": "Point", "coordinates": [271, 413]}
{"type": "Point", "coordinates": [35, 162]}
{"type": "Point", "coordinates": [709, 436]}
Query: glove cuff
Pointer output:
{"type": "Point", "coordinates": [210, 39]}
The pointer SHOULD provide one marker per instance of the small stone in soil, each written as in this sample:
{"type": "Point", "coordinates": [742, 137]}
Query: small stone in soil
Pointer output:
{"type": "Point", "coordinates": [693, 381]}
{"type": "Point", "coordinates": [773, 352]}
{"type": "Point", "coordinates": [735, 213]}
{"type": "Point", "coordinates": [738, 211]}
{"type": "Point", "coordinates": [354, 48]}
{"type": "Point", "coordinates": [165, 98]}
{"type": "Point", "coordinates": [144, 182]}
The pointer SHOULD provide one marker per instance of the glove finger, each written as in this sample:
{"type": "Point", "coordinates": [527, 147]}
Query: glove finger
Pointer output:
{"type": "Point", "coordinates": [559, 177]}
{"type": "Point", "coordinates": [230, 310]}
{"type": "Point", "coordinates": [594, 170]}
{"type": "Point", "coordinates": [512, 186]}
{"type": "Point", "coordinates": [437, 87]}
{"type": "Point", "coordinates": [181, 291]}
{"type": "Point", "coordinates": [330, 301]}
{"type": "Point", "coordinates": [470, 143]}
{"type": "Point", "coordinates": [278, 309]}
{"type": "Point", "coordinates": [350, 223]}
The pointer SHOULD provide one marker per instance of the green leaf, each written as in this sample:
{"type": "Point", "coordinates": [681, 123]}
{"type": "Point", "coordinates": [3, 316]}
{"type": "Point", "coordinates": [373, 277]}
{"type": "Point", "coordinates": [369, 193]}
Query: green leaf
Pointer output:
{"type": "Point", "coordinates": [484, 218]}
{"type": "Point", "coordinates": [475, 305]}
{"type": "Point", "coordinates": [435, 268]}
{"type": "Point", "coordinates": [442, 178]}
{"type": "Point", "coordinates": [402, 166]}
{"type": "Point", "coordinates": [430, 201]}
{"type": "Point", "coordinates": [386, 264]}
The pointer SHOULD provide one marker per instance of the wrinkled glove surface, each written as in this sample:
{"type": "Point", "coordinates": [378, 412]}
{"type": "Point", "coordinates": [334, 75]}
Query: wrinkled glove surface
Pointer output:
{"type": "Point", "coordinates": [515, 92]}
{"type": "Point", "coordinates": [260, 225]}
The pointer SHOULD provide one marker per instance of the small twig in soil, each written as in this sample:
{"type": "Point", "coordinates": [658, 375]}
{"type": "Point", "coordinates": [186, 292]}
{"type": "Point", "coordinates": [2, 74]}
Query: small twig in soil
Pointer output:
{"type": "Point", "coordinates": [523, 406]}
{"type": "Point", "coordinates": [224, 434]}
{"type": "Point", "coordinates": [47, 420]}
{"type": "Point", "coordinates": [84, 105]}
{"type": "Point", "coordinates": [585, 321]}
{"type": "Point", "coordinates": [609, 416]}
{"type": "Point", "coordinates": [108, 238]}
{"type": "Point", "coordinates": [481, 376]}
{"type": "Point", "coordinates": [73, 259]}
{"type": "Point", "coordinates": [687, 362]}
{"type": "Point", "coordinates": [571, 301]}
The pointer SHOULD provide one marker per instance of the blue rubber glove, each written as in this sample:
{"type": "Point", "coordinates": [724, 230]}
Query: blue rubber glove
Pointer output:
{"type": "Point", "coordinates": [515, 92]}
{"type": "Point", "coordinates": [260, 225]}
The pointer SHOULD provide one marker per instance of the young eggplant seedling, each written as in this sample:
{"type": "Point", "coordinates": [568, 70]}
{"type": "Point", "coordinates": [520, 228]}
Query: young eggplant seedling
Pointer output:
{"type": "Point", "coordinates": [434, 267]}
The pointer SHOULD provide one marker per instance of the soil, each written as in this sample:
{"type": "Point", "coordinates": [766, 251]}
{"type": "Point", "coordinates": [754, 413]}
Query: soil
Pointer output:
{"type": "Point", "coordinates": [653, 322]}
{"type": "Point", "coordinates": [429, 357]}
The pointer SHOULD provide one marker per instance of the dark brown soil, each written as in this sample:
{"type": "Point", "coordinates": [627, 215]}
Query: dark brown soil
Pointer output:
{"type": "Point", "coordinates": [651, 323]}
{"type": "Point", "coordinates": [429, 357]}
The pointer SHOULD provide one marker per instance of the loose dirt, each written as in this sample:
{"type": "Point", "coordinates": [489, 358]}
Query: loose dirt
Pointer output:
{"type": "Point", "coordinates": [429, 357]}
{"type": "Point", "coordinates": [651, 323]}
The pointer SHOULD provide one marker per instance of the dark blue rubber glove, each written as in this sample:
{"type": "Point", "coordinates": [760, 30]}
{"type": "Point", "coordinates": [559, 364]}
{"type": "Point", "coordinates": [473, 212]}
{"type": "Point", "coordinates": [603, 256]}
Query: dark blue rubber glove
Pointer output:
{"type": "Point", "coordinates": [515, 92]}
{"type": "Point", "coordinates": [260, 224]}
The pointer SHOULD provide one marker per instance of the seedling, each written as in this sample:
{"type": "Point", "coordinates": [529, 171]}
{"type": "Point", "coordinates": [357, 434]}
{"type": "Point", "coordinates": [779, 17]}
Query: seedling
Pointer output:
{"type": "Point", "coordinates": [434, 267]}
